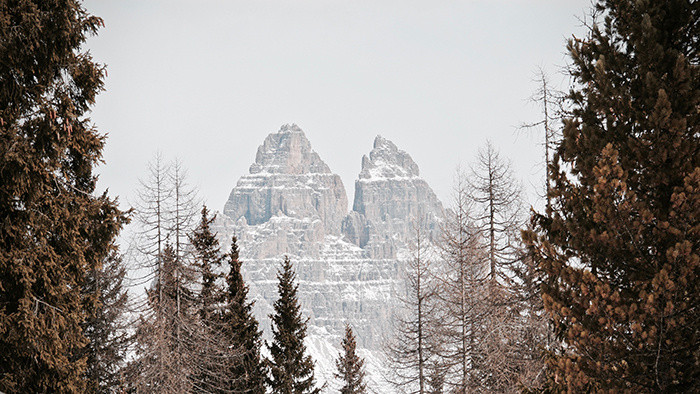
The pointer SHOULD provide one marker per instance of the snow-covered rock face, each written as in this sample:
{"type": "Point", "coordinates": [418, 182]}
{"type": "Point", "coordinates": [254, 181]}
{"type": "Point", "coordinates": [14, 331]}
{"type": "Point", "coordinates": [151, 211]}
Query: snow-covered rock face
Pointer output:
{"type": "Point", "coordinates": [348, 264]}
{"type": "Point", "coordinates": [289, 179]}
{"type": "Point", "coordinates": [390, 201]}
{"type": "Point", "coordinates": [386, 161]}
{"type": "Point", "coordinates": [288, 152]}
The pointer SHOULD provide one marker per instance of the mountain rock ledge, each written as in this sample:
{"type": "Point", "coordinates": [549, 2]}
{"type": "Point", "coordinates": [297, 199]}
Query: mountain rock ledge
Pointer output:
{"type": "Point", "coordinates": [349, 264]}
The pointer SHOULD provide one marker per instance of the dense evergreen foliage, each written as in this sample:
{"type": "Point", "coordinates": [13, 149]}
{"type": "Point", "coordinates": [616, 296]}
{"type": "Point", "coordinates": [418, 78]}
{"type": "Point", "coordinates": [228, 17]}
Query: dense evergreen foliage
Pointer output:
{"type": "Point", "coordinates": [106, 327]}
{"type": "Point", "coordinates": [292, 371]}
{"type": "Point", "coordinates": [613, 262]}
{"type": "Point", "coordinates": [210, 351]}
{"type": "Point", "coordinates": [351, 368]}
{"type": "Point", "coordinates": [207, 258]}
{"type": "Point", "coordinates": [54, 232]}
{"type": "Point", "coordinates": [620, 250]}
{"type": "Point", "coordinates": [246, 372]}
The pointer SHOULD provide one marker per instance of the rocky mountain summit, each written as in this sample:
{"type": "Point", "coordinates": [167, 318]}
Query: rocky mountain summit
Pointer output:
{"type": "Point", "coordinates": [391, 200]}
{"type": "Point", "coordinates": [288, 179]}
{"type": "Point", "coordinates": [349, 264]}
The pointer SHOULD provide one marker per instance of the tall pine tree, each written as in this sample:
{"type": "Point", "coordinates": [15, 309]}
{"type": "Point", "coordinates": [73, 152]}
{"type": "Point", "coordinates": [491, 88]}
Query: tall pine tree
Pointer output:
{"type": "Point", "coordinates": [291, 369]}
{"type": "Point", "coordinates": [53, 230]}
{"type": "Point", "coordinates": [210, 348]}
{"type": "Point", "coordinates": [106, 326]}
{"type": "Point", "coordinates": [207, 256]}
{"type": "Point", "coordinates": [246, 370]}
{"type": "Point", "coordinates": [620, 250]}
{"type": "Point", "coordinates": [351, 368]}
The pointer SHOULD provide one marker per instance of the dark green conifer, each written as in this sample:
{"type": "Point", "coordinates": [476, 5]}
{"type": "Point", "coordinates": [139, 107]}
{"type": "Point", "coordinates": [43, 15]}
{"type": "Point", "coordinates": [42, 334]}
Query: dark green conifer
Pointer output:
{"type": "Point", "coordinates": [210, 349]}
{"type": "Point", "coordinates": [105, 327]}
{"type": "Point", "coordinates": [620, 251]}
{"type": "Point", "coordinates": [351, 368]}
{"type": "Point", "coordinates": [292, 371]}
{"type": "Point", "coordinates": [53, 230]}
{"type": "Point", "coordinates": [207, 255]}
{"type": "Point", "coordinates": [246, 372]}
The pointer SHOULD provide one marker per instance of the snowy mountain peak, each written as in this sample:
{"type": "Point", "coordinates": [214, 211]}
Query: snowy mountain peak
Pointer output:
{"type": "Point", "coordinates": [387, 161]}
{"type": "Point", "coordinates": [289, 180]}
{"type": "Point", "coordinates": [288, 152]}
{"type": "Point", "coordinates": [380, 142]}
{"type": "Point", "coordinates": [290, 128]}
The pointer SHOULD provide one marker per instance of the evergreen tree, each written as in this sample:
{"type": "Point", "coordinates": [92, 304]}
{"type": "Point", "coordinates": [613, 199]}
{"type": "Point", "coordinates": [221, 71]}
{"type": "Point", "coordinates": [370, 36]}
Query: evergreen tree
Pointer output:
{"type": "Point", "coordinates": [53, 230]}
{"type": "Point", "coordinates": [351, 370]}
{"type": "Point", "coordinates": [209, 373]}
{"type": "Point", "coordinates": [207, 256]}
{"type": "Point", "coordinates": [105, 327]}
{"type": "Point", "coordinates": [291, 369]}
{"type": "Point", "coordinates": [246, 372]}
{"type": "Point", "coordinates": [620, 249]}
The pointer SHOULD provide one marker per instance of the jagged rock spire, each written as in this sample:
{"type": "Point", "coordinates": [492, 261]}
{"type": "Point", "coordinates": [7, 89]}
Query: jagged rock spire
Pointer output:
{"type": "Point", "coordinates": [289, 180]}
{"type": "Point", "coordinates": [390, 198]}
{"type": "Point", "coordinates": [387, 161]}
{"type": "Point", "coordinates": [288, 151]}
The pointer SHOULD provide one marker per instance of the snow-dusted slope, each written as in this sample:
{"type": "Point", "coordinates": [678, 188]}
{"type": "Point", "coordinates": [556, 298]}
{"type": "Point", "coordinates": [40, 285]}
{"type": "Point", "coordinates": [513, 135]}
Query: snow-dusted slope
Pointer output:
{"type": "Point", "coordinates": [348, 264]}
{"type": "Point", "coordinates": [391, 199]}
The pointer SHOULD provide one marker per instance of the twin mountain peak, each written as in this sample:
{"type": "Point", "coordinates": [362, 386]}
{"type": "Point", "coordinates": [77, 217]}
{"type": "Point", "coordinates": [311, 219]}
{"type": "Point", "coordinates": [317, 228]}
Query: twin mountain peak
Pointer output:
{"type": "Point", "coordinates": [291, 203]}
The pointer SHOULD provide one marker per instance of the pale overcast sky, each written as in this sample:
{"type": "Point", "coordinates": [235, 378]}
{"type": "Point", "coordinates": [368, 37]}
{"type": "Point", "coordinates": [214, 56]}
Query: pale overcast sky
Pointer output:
{"type": "Point", "coordinates": [206, 81]}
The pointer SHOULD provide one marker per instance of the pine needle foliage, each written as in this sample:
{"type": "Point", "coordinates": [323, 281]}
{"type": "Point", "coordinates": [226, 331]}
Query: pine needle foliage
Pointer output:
{"type": "Point", "coordinates": [208, 259]}
{"type": "Point", "coordinates": [246, 371]}
{"type": "Point", "coordinates": [208, 374]}
{"type": "Point", "coordinates": [620, 250]}
{"type": "Point", "coordinates": [53, 230]}
{"type": "Point", "coordinates": [351, 368]}
{"type": "Point", "coordinates": [291, 369]}
{"type": "Point", "coordinates": [106, 327]}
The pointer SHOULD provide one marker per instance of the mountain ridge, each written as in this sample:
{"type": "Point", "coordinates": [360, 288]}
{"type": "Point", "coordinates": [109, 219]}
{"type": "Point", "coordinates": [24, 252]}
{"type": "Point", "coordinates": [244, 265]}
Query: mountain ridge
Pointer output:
{"type": "Point", "coordinates": [349, 263]}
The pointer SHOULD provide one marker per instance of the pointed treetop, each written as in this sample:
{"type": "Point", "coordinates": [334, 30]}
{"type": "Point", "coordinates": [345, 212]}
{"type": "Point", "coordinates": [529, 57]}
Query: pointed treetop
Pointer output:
{"type": "Point", "coordinates": [350, 366]}
{"type": "Point", "coordinates": [292, 370]}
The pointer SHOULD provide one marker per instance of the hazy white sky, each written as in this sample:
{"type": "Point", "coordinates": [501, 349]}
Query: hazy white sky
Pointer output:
{"type": "Point", "coordinates": [206, 81]}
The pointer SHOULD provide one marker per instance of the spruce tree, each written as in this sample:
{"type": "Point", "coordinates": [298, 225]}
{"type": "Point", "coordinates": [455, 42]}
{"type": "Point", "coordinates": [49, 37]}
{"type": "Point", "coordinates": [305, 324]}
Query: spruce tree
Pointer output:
{"type": "Point", "coordinates": [292, 371]}
{"type": "Point", "coordinates": [620, 250]}
{"type": "Point", "coordinates": [246, 370]}
{"type": "Point", "coordinates": [208, 374]}
{"type": "Point", "coordinates": [53, 230]}
{"type": "Point", "coordinates": [207, 256]}
{"type": "Point", "coordinates": [105, 328]}
{"type": "Point", "coordinates": [350, 366]}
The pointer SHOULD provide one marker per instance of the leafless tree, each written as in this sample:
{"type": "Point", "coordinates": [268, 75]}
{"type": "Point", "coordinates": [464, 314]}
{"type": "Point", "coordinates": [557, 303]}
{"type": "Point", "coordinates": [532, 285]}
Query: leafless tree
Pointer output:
{"type": "Point", "coordinates": [151, 212]}
{"type": "Point", "coordinates": [510, 327]}
{"type": "Point", "coordinates": [550, 101]}
{"type": "Point", "coordinates": [169, 337]}
{"type": "Point", "coordinates": [461, 280]}
{"type": "Point", "coordinates": [414, 344]}
{"type": "Point", "coordinates": [489, 333]}
{"type": "Point", "coordinates": [497, 211]}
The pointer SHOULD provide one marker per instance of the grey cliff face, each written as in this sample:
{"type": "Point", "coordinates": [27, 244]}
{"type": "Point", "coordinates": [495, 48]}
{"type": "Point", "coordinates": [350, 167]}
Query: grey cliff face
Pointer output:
{"type": "Point", "coordinates": [288, 179]}
{"type": "Point", "coordinates": [349, 265]}
{"type": "Point", "coordinates": [390, 200]}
